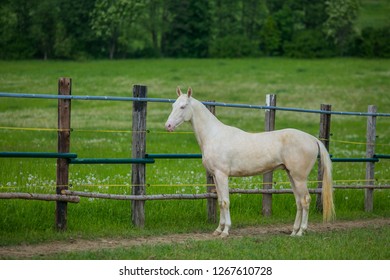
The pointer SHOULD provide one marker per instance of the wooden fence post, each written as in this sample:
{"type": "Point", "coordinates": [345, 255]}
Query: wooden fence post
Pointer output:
{"type": "Point", "coordinates": [370, 166]}
{"type": "Point", "coordinates": [268, 177]}
{"type": "Point", "coordinates": [138, 150]}
{"type": "Point", "coordinates": [324, 137]}
{"type": "Point", "coordinates": [64, 108]}
{"type": "Point", "coordinates": [211, 202]}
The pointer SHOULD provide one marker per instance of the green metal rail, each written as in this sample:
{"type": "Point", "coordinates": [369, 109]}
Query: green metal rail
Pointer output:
{"type": "Point", "coordinates": [110, 160]}
{"type": "Point", "coordinates": [354, 159]}
{"type": "Point", "coordinates": [382, 156]}
{"type": "Point", "coordinates": [173, 156]}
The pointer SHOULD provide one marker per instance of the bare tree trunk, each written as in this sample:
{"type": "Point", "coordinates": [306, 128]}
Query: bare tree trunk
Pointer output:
{"type": "Point", "coordinates": [112, 50]}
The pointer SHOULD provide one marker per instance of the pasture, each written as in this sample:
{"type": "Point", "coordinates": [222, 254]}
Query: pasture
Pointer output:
{"type": "Point", "coordinates": [100, 129]}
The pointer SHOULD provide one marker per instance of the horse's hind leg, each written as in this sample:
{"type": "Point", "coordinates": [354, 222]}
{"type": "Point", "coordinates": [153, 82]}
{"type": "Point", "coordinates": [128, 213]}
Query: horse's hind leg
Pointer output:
{"type": "Point", "coordinates": [305, 212]}
{"type": "Point", "coordinates": [302, 199]}
{"type": "Point", "coordinates": [298, 218]}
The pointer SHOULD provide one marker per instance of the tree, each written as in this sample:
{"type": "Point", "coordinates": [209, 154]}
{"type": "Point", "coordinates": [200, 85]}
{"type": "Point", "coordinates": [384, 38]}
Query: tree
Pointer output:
{"type": "Point", "coordinates": [154, 22]}
{"type": "Point", "coordinates": [289, 19]}
{"type": "Point", "coordinates": [254, 14]}
{"type": "Point", "coordinates": [373, 42]}
{"type": "Point", "coordinates": [229, 38]}
{"type": "Point", "coordinates": [314, 13]}
{"type": "Point", "coordinates": [227, 18]}
{"type": "Point", "coordinates": [188, 29]}
{"type": "Point", "coordinates": [111, 18]}
{"type": "Point", "coordinates": [8, 22]}
{"type": "Point", "coordinates": [74, 29]}
{"type": "Point", "coordinates": [339, 25]}
{"type": "Point", "coordinates": [15, 29]}
{"type": "Point", "coordinates": [200, 22]}
{"type": "Point", "coordinates": [74, 37]}
{"type": "Point", "coordinates": [308, 43]}
{"type": "Point", "coordinates": [44, 22]}
{"type": "Point", "coordinates": [270, 35]}
{"type": "Point", "coordinates": [177, 36]}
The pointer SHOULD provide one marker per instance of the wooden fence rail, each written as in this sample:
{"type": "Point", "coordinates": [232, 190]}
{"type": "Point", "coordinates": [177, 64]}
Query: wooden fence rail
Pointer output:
{"type": "Point", "coordinates": [37, 196]}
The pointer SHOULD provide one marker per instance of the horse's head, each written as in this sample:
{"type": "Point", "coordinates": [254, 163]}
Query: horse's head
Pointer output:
{"type": "Point", "coordinates": [181, 110]}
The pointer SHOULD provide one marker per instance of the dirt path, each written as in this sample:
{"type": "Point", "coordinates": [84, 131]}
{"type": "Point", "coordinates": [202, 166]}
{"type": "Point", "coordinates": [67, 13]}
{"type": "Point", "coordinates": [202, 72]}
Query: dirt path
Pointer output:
{"type": "Point", "coordinates": [47, 249]}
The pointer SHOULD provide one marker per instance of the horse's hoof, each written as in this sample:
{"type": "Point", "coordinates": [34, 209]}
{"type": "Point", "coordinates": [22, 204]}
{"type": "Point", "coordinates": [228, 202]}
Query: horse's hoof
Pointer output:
{"type": "Point", "coordinates": [297, 234]}
{"type": "Point", "coordinates": [217, 233]}
{"type": "Point", "coordinates": [224, 235]}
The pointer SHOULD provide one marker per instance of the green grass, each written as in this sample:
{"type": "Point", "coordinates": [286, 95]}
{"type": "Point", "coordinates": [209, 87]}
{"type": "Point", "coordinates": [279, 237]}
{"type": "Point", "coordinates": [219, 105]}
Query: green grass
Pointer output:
{"type": "Point", "coordinates": [374, 13]}
{"type": "Point", "coordinates": [347, 84]}
{"type": "Point", "coordinates": [363, 244]}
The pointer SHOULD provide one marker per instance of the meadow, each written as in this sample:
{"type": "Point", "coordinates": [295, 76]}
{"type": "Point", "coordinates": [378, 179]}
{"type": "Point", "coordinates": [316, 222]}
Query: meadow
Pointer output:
{"type": "Point", "coordinates": [100, 129]}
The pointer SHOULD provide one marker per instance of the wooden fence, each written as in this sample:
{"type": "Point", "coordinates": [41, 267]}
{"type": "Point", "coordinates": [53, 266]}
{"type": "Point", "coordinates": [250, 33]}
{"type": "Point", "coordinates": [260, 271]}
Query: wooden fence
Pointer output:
{"type": "Point", "coordinates": [140, 158]}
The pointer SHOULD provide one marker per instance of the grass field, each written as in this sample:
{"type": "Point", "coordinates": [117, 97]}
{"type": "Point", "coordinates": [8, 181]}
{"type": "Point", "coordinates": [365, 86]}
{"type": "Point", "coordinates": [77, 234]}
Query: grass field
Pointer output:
{"type": "Point", "coordinates": [374, 13]}
{"type": "Point", "coordinates": [320, 246]}
{"type": "Point", "coordinates": [347, 84]}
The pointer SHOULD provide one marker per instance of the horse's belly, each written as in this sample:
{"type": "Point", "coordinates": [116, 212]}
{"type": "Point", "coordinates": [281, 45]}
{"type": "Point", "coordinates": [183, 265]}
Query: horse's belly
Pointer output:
{"type": "Point", "coordinates": [241, 165]}
{"type": "Point", "coordinates": [241, 169]}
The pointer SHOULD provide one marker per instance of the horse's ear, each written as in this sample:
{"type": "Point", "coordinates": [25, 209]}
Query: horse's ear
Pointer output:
{"type": "Point", "coordinates": [178, 91]}
{"type": "Point", "coordinates": [189, 92]}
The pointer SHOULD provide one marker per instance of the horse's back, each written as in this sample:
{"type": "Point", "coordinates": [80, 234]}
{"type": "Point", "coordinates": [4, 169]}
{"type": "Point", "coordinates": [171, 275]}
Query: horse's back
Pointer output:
{"type": "Point", "coordinates": [291, 136]}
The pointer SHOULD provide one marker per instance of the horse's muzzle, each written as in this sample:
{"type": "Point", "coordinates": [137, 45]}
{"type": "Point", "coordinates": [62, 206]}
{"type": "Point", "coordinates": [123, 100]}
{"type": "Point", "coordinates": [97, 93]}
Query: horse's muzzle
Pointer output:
{"type": "Point", "coordinates": [169, 127]}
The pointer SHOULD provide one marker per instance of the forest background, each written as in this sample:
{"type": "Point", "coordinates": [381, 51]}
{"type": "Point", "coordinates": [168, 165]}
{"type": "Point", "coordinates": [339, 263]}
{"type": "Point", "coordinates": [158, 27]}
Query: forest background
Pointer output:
{"type": "Point", "coordinates": [95, 29]}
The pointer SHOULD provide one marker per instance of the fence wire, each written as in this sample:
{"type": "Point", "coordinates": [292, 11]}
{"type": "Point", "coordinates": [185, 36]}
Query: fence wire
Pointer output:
{"type": "Point", "coordinates": [175, 185]}
{"type": "Point", "coordinates": [75, 130]}
{"type": "Point", "coordinates": [164, 100]}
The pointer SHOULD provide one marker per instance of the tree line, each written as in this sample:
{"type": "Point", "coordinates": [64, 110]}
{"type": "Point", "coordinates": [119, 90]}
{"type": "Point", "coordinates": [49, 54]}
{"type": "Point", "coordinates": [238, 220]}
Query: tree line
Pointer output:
{"type": "Point", "coordinates": [86, 29]}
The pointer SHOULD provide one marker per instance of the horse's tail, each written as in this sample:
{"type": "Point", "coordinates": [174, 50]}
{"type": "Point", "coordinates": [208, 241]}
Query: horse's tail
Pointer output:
{"type": "Point", "coordinates": [327, 184]}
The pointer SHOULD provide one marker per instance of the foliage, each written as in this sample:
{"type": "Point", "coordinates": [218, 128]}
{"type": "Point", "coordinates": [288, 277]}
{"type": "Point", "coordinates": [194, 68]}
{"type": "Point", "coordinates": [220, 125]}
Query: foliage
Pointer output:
{"type": "Point", "coordinates": [308, 44]}
{"type": "Point", "coordinates": [233, 46]}
{"type": "Point", "coordinates": [111, 19]}
{"type": "Point", "coordinates": [15, 40]}
{"type": "Point", "coordinates": [270, 35]}
{"type": "Point", "coordinates": [71, 29]}
{"type": "Point", "coordinates": [188, 33]}
{"type": "Point", "coordinates": [374, 42]}
{"type": "Point", "coordinates": [339, 25]}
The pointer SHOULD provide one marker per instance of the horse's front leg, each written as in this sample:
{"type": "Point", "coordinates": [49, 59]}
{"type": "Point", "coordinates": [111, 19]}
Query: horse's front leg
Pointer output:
{"type": "Point", "coordinates": [222, 185]}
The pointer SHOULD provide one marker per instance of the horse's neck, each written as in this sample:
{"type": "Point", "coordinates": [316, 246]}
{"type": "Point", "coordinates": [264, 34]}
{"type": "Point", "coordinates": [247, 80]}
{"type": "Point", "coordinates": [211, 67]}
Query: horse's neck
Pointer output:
{"type": "Point", "coordinates": [204, 123]}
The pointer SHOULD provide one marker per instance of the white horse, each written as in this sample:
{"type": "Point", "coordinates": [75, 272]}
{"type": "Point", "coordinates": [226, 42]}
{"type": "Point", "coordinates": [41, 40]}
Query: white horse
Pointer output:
{"type": "Point", "coordinates": [229, 151]}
